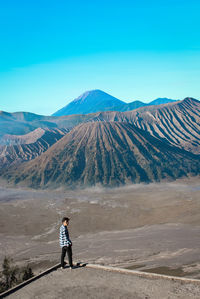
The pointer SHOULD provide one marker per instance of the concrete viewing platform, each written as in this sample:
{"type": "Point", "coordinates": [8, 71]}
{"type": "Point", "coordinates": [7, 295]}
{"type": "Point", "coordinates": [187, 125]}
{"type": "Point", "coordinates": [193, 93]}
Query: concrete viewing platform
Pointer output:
{"type": "Point", "coordinates": [96, 281]}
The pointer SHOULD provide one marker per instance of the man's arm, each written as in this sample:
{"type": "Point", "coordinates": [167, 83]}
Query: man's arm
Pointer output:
{"type": "Point", "coordinates": [68, 238]}
{"type": "Point", "coordinates": [62, 237]}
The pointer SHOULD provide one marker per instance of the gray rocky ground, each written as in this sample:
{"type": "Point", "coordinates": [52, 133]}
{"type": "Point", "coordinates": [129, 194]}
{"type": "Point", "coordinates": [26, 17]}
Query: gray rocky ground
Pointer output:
{"type": "Point", "coordinates": [92, 283]}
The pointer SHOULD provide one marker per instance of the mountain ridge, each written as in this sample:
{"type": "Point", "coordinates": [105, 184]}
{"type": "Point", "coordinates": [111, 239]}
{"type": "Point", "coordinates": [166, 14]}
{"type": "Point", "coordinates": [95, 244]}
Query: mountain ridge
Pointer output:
{"type": "Point", "coordinates": [97, 100]}
{"type": "Point", "coordinates": [105, 153]}
{"type": "Point", "coordinates": [18, 149]}
{"type": "Point", "coordinates": [147, 144]}
{"type": "Point", "coordinates": [177, 122]}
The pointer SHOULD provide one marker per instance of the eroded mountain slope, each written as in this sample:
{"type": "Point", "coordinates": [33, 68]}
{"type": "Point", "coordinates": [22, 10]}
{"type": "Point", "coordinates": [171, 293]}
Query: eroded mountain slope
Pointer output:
{"type": "Point", "coordinates": [107, 153]}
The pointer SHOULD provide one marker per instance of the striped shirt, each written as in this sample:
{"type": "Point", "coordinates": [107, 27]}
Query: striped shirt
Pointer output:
{"type": "Point", "coordinates": [64, 236]}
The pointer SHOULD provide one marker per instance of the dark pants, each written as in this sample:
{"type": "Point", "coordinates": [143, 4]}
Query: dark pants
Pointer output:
{"type": "Point", "coordinates": [67, 249]}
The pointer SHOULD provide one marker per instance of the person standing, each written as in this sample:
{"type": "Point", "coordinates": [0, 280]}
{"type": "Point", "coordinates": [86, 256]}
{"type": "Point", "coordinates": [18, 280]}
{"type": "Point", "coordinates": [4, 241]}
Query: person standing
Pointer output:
{"type": "Point", "coordinates": [65, 243]}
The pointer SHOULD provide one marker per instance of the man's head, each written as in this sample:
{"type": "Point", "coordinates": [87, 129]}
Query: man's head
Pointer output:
{"type": "Point", "coordinates": [65, 221]}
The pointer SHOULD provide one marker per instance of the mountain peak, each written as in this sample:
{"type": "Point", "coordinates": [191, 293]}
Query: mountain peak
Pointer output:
{"type": "Point", "coordinates": [160, 101]}
{"type": "Point", "coordinates": [90, 93]}
{"type": "Point", "coordinates": [89, 102]}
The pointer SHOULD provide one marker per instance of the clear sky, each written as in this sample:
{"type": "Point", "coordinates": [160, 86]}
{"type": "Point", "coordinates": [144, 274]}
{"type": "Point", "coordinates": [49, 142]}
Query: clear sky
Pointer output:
{"type": "Point", "coordinates": [52, 51]}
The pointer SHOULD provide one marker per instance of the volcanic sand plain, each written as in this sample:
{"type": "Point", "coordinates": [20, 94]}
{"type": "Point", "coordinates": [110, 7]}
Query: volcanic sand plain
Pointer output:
{"type": "Point", "coordinates": [149, 227]}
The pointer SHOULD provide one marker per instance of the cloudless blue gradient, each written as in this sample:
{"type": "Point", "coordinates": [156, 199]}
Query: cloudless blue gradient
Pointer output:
{"type": "Point", "coordinates": [51, 51]}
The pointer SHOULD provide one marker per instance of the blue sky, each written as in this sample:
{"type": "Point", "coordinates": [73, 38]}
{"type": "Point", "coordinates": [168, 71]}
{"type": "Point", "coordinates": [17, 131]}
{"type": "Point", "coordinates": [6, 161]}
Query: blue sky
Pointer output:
{"type": "Point", "coordinates": [52, 51]}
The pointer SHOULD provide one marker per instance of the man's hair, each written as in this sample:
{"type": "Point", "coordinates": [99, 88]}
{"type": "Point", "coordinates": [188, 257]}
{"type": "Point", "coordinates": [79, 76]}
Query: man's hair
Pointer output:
{"type": "Point", "coordinates": [65, 219]}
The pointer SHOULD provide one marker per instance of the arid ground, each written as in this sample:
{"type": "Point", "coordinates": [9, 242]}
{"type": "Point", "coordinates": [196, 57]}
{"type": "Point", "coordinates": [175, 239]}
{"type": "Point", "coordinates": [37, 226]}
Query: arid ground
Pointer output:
{"type": "Point", "coordinates": [153, 227]}
{"type": "Point", "coordinates": [84, 283]}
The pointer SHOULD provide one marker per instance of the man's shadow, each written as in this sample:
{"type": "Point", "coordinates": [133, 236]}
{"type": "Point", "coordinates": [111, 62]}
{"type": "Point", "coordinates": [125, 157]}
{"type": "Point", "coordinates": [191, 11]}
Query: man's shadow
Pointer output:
{"type": "Point", "coordinates": [77, 265]}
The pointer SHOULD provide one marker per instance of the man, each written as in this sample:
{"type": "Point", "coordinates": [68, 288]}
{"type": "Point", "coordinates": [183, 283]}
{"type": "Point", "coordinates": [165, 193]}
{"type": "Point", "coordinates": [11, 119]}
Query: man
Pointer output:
{"type": "Point", "coordinates": [65, 243]}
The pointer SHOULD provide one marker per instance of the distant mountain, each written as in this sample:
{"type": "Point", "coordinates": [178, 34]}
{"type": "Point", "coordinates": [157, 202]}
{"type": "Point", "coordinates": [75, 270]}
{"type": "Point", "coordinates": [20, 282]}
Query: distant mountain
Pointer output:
{"type": "Point", "coordinates": [20, 123]}
{"type": "Point", "coordinates": [105, 153]}
{"type": "Point", "coordinates": [20, 116]}
{"type": "Point", "coordinates": [160, 101]}
{"type": "Point", "coordinates": [130, 106]}
{"type": "Point", "coordinates": [16, 149]}
{"type": "Point", "coordinates": [90, 102]}
{"type": "Point", "coordinates": [98, 101]}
